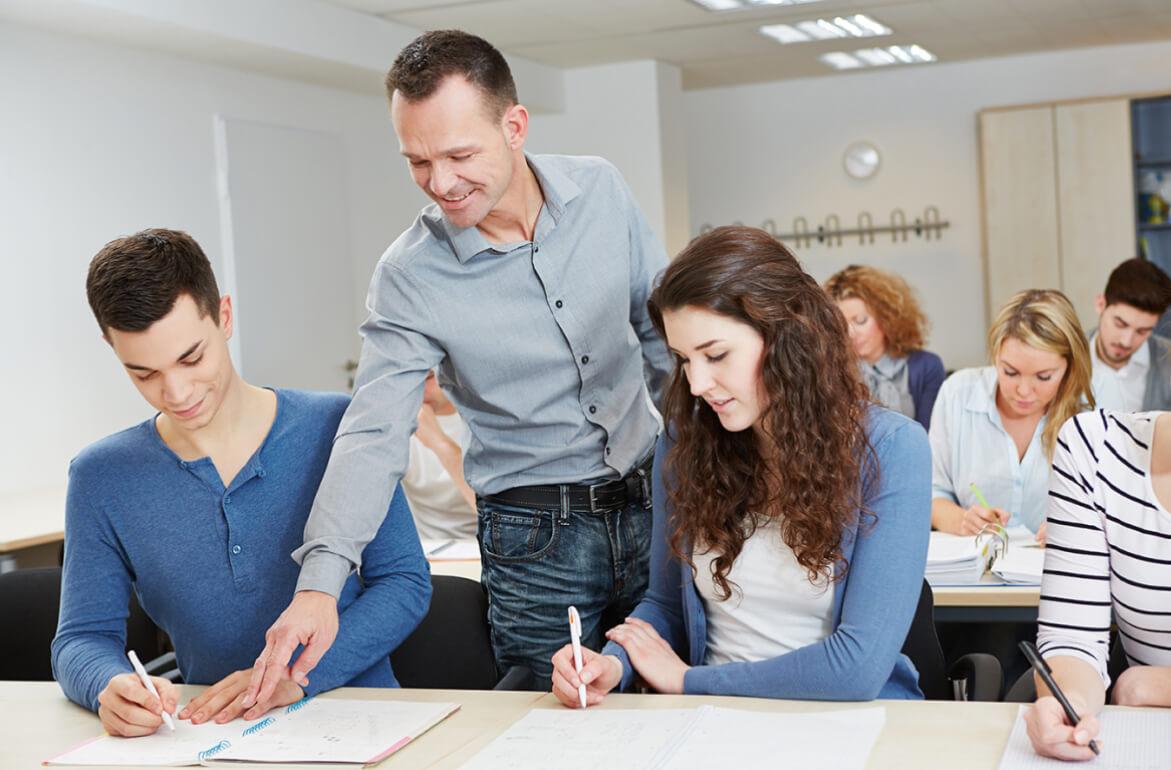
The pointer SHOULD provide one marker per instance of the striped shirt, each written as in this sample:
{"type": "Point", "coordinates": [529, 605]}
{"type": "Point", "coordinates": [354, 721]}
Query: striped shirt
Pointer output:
{"type": "Point", "coordinates": [1109, 545]}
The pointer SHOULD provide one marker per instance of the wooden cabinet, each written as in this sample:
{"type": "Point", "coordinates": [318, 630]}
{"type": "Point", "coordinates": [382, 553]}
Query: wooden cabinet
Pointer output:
{"type": "Point", "coordinates": [1058, 199]}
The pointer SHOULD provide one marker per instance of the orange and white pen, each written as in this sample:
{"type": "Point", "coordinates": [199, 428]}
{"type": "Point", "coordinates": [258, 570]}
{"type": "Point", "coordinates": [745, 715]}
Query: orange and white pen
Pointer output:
{"type": "Point", "coordinates": [575, 640]}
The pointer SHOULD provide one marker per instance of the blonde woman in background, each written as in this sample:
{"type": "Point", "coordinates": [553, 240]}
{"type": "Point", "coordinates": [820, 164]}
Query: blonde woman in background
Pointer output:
{"type": "Point", "coordinates": [888, 330]}
{"type": "Point", "coordinates": [996, 426]}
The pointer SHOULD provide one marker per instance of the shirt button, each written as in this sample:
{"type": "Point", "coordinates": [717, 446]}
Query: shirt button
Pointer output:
{"type": "Point", "coordinates": [585, 359]}
{"type": "Point", "coordinates": [236, 549]}
{"type": "Point", "coordinates": [594, 410]}
{"type": "Point", "coordinates": [227, 500]}
{"type": "Point", "coordinates": [559, 303]}
{"type": "Point", "coordinates": [607, 451]}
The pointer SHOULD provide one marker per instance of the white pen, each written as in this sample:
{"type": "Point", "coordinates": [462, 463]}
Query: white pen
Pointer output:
{"type": "Point", "coordinates": [575, 640]}
{"type": "Point", "coordinates": [150, 686]}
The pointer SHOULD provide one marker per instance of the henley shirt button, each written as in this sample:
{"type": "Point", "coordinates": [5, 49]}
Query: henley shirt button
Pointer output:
{"type": "Point", "coordinates": [594, 410]}
{"type": "Point", "coordinates": [236, 549]}
{"type": "Point", "coordinates": [227, 500]}
{"type": "Point", "coordinates": [559, 303]}
{"type": "Point", "coordinates": [585, 359]}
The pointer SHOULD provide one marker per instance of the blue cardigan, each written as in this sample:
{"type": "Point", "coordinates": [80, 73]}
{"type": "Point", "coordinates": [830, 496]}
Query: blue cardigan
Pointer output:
{"type": "Point", "coordinates": [873, 606]}
{"type": "Point", "coordinates": [925, 373]}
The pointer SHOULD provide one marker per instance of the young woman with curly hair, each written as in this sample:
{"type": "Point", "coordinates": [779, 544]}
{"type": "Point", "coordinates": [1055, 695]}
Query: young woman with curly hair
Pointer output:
{"type": "Point", "coordinates": [790, 515]}
{"type": "Point", "coordinates": [888, 331]}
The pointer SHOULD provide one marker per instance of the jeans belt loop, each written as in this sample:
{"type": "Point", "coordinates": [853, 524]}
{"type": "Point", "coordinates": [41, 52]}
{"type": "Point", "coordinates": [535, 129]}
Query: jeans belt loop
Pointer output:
{"type": "Point", "coordinates": [564, 504]}
{"type": "Point", "coordinates": [593, 498]}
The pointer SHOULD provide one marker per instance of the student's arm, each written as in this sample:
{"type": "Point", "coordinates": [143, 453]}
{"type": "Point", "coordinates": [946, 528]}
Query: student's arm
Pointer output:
{"type": "Point", "coordinates": [395, 597]}
{"type": "Point", "coordinates": [90, 646]}
{"type": "Point", "coordinates": [882, 590]}
{"type": "Point", "coordinates": [647, 260]}
{"type": "Point", "coordinates": [1074, 615]}
{"type": "Point", "coordinates": [661, 606]}
{"type": "Point", "coordinates": [449, 453]}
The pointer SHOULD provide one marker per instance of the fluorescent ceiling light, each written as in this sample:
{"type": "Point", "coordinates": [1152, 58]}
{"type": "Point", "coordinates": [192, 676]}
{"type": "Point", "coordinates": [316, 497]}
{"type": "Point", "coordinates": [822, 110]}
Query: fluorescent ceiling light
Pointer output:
{"type": "Point", "coordinates": [841, 60]}
{"type": "Point", "coordinates": [734, 5]}
{"type": "Point", "coordinates": [857, 25]}
{"type": "Point", "coordinates": [878, 57]}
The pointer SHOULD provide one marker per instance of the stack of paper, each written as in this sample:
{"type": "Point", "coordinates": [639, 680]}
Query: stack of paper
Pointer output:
{"type": "Point", "coordinates": [682, 739]}
{"type": "Point", "coordinates": [1022, 563]}
{"type": "Point", "coordinates": [953, 559]}
{"type": "Point", "coordinates": [312, 730]}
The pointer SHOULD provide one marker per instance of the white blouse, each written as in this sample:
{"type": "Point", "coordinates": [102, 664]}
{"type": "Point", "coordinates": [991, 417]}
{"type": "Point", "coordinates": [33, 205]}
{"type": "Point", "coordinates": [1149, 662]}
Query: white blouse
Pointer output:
{"type": "Point", "coordinates": [773, 609]}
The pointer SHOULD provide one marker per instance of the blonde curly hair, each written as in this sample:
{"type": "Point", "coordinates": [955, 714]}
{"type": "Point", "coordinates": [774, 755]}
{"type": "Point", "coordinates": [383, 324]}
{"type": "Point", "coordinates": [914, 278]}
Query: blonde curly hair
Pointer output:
{"type": "Point", "coordinates": [891, 301]}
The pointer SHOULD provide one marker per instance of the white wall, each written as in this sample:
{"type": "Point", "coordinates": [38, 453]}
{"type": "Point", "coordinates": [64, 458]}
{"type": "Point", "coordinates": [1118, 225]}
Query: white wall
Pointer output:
{"type": "Point", "coordinates": [630, 114]}
{"type": "Point", "coordinates": [98, 141]}
{"type": "Point", "coordinates": [774, 151]}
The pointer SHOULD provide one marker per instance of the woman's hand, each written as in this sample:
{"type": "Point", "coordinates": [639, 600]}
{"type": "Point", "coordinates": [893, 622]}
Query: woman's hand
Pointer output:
{"type": "Point", "coordinates": [224, 701]}
{"type": "Point", "coordinates": [650, 655]}
{"type": "Point", "coordinates": [600, 673]}
{"type": "Point", "coordinates": [1051, 736]}
{"type": "Point", "coordinates": [977, 517]}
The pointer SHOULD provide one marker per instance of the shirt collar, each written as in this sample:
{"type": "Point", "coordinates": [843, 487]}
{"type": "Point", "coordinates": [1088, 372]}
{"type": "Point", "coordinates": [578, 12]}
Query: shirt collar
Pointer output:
{"type": "Point", "coordinates": [557, 189]}
{"type": "Point", "coordinates": [982, 396]}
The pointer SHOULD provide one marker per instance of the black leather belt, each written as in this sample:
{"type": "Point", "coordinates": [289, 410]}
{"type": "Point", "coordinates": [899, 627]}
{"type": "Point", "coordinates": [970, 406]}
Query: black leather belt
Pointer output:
{"type": "Point", "coordinates": [607, 496]}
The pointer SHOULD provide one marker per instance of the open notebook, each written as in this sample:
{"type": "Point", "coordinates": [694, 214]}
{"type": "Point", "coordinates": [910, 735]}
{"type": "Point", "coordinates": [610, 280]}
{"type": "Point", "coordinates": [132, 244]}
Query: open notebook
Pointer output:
{"type": "Point", "coordinates": [681, 739]}
{"type": "Point", "coordinates": [313, 730]}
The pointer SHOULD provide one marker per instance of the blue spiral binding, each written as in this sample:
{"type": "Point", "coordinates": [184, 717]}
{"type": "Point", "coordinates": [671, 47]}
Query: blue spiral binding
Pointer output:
{"type": "Point", "coordinates": [258, 726]}
{"type": "Point", "coordinates": [299, 704]}
{"type": "Point", "coordinates": [216, 749]}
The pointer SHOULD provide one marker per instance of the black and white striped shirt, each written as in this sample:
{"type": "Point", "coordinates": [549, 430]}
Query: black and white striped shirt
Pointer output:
{"type": "Point", "coordinates": [1108, 545]}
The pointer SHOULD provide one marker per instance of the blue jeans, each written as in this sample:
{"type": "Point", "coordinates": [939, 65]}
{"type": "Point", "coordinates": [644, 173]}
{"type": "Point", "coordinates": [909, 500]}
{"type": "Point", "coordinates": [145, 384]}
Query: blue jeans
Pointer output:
{"type": "Point", "coordinates": [538, 562]}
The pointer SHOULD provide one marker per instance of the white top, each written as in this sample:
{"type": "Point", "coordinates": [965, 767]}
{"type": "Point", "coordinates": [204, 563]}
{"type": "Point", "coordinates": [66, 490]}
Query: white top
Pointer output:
{"type": "Point", "coordinates": [773, 609]}
{"type": "Point", "coordinates": [440, 511]}
{"type": "Point", "coordinates": [1108, 545]}
{"type": "Point", "coordinates": [969, 444]}
{"type": "Point", "coordinates": [1120, 389]}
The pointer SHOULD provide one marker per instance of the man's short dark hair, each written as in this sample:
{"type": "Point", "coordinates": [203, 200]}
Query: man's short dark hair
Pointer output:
{"type": "Point", "coordinates": [136, 280]}
{"type": "Point", "coordinates": [432, 57]}
{"type": "Point", "coordinates": [1140, 284]}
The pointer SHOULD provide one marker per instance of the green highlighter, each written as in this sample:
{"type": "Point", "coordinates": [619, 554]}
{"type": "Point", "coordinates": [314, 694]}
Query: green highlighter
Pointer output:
{"type": "Point", "coordinates": [979, 495]}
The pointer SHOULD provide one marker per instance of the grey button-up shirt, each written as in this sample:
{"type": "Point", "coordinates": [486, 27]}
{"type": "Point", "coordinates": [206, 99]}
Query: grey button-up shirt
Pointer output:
{"type": "Point", "coordinates": [541, 345]}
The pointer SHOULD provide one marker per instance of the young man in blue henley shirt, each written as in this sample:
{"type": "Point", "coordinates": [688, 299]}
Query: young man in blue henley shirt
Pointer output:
{"type": "Point", "coordinates": [198, 508]}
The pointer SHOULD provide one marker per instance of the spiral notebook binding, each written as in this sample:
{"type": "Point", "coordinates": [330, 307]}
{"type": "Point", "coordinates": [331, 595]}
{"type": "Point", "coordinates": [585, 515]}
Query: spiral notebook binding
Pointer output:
{"type": "Point", "coordinates": [216, 749]}
{"type": "Point", "coordinates": [252, 730]}
{"type": "Point", "coordinates": [299, 704]}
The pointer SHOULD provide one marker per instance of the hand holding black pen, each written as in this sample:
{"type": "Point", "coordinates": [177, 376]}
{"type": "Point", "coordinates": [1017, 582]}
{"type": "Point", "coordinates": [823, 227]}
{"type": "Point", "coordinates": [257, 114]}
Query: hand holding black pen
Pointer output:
{"type": "Point", "coordinates": [1041, 667]}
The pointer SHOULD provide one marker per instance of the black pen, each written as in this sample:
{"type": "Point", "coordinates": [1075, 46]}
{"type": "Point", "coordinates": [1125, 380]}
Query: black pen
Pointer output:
{"type": "Point", "coordinates": [1042, 668]}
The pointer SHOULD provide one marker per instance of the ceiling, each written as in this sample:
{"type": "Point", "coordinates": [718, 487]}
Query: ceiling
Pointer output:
{"type": "Point", "coordinates": [720, 49]}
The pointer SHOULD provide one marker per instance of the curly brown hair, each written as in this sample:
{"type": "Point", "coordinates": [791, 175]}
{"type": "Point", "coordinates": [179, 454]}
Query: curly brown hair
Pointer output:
{"type": "Point", "coordinates": [722, 486]}
{"type": "Point", "coordinates": [890, 299]}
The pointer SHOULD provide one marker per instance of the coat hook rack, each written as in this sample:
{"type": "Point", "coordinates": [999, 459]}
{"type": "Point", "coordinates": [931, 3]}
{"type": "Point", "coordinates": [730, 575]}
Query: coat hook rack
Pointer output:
{"type": "Point", "coordinates": [929, 226]}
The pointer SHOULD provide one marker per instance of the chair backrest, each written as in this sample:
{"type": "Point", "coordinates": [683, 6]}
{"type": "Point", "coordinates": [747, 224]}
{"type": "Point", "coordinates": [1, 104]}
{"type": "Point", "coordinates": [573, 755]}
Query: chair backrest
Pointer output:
{"type": "Point", "coordinates": [923, 648]}
{"type": "Point", "coordinates": [30, 600]}
{"type": "Point", "coordinates": [452, 647]}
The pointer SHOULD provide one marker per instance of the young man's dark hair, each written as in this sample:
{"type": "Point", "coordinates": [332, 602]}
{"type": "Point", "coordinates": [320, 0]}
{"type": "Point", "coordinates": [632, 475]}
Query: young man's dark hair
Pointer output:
{"type": "Point", "coordinates": [134, 281]}
{"type": "Point", "coordinates": [1140, 284]}
{"type": "Point", "coordinates": [431, 58]}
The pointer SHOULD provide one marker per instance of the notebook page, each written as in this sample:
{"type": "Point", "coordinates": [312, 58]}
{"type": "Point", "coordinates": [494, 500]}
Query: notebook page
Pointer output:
{"type": "Point", "coordinates": [1131, 740]}
{"type": "Point", "coordinates": [590, 739]}
{"type": "Point", "coordinates": [748, 740]}
{"type": "Point", "coordinates": [336, 731]}
{"type": "Point", "coordinates": [181, 747]}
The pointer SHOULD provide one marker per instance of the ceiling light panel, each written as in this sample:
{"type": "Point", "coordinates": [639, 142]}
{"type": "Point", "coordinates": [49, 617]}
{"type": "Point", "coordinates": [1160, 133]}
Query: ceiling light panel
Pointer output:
{"type": "Point", "coordinates": [856, 25]}
{"type": "Point", "coordinates": [878, 57]}
{"type": "Point", "coordinates": [737, 5]}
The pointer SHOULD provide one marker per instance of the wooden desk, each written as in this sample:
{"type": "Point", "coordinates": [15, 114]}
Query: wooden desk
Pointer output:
{"type": "Point", "coordinates": [988, 603]}
{"type": "Point", "coordinates": [40, 722]}
{"type": "Point", "coordinates": [468, 568]}
{"type": "Point", "coordinates": [32, 527]}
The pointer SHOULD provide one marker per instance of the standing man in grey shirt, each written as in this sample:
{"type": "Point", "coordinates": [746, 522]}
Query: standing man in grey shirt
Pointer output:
{"type": "Point", "coordinates": [525, 283]}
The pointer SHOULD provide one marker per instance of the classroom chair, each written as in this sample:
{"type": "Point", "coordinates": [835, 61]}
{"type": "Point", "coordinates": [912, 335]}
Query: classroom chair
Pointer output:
{"type": "Point", "coordinates": [976, 676]}
{"type": "Point", "coordinates": [452, 647]}
{"type": "Point", "coordinates": [1024, 689]}
{"type": "Point", "coordinates": [30, 598]}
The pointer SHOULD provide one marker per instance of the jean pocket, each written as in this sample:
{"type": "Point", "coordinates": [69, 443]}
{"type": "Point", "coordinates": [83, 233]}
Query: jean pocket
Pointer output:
{"type": "Point", "coordinates": [516, 534]}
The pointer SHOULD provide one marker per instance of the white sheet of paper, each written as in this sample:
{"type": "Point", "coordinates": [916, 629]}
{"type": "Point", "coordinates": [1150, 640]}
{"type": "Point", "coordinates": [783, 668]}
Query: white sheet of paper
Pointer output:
{"type": "Point", "coordinates": [765, 740]}
{"type": "Point", "coordinates": [590, 739]}
{"type": "Point", "coordinates": [1132, 739]}
{"type": "Point", "coordinates": [451, 550]}
{"type": "Point", "coordinates": [181, 747]}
